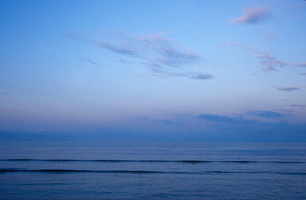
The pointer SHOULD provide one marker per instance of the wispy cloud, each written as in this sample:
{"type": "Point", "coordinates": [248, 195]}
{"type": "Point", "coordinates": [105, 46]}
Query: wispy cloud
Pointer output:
{"type": "Point", "coordinates": [302, 73]}
{"type": "Point", "coordinates": [269, 62]}
{"type": "Point", "coordinates": [265, 113]}
{"type": "Point", "coordinates": [303, 64]}
{"type": "Point", "coordinates": [299, 105]}
{"type": "Point", "coordinates": [286, 89]}
{"type": "Point", "coordinates": [191, 76]}
{"type": "Point", "coordinates": [254, 128]}
{"type": "Point", "coordinates": [90, 61]}
{"type": "Point", "coordinates": [169, 122]}
{"type": "Point", "coordinates": [223, 118]}
{"type": "Point", "coordinates": [236, 48]}
{"type": "Point", "coordinates": [200, 76]}
{"type": "Point", "coordinates": [286, 110]}
{"type": "Point", "coordinates": [164, 122]}
{"type": "Point", "coordinates": [5, 93]}
{"type": "Point", "coordinates": [253, 15]}
{"type": "Point", "coordinates": [160, 71]}
{"type": "Point", "coordinates": [270, 35]}
{"type": "Point", "coordinates": [154, 50]}
{"type": "Point", "coordinates": [117, 49]}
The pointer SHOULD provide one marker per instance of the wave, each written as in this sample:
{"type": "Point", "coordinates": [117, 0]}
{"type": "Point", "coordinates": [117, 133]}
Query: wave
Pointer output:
{"type": "Point", "coordinates": [14, 170]}
{"type": "Point", "coordinates": [151, 161]}
{"type": "Point", "coordinates": [67, 171]}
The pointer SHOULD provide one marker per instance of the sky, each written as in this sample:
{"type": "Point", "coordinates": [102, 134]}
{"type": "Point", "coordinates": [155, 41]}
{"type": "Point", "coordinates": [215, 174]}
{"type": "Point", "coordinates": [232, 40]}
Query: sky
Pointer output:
{"type": "Point", "coordinates": [154, 70]}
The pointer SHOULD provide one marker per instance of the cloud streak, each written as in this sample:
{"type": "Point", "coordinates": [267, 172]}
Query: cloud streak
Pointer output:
{"type": "Point", "coordinates": [169, 122]}
{"type": "Point", "coordinates": [117, 49]}
{"type": "Point", "coordinates": [201, 76]}
{"type": "Point", "coordinates": [223, 118]}
{"type": "Point", "coordinates": [265, 113]}
{"type": "Point", "coordinates": [5, 93]}
{"type": "Point", "coordinates": [286, 89]}
{"type": "Point", "coordinates": [90, 61]}
{"type": "Point", "coordinates": [160, 71]}
{"type": "Point", "coordinates": [299, 105]}
{"type": "Point", "coordinates": [303, 64]}
{"type": "Point", "coordinates": [253, 15]}
{"type": "Point", "coordinates": [254, 129]}
{"type": "Point", "coordinates": [153, 50]}
{"type": "Point", "coordinates": [269, 62]}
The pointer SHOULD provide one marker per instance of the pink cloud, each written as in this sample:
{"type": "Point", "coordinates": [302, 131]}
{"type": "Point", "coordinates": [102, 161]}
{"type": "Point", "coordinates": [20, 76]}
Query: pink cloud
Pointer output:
{"type": "Point", "coordinates": [269, 62]}
{"type": "Point", "coordinates": [300, 64]}
{"type": "Point", "coordinates": [253, 15]}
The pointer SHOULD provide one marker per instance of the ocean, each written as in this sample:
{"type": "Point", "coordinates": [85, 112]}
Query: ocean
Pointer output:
{"type": "Point", "coordinates": [97, 170]}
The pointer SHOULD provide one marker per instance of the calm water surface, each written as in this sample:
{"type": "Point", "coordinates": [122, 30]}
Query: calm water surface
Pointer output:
{"type": "Point", "coordinates": [93, 170]}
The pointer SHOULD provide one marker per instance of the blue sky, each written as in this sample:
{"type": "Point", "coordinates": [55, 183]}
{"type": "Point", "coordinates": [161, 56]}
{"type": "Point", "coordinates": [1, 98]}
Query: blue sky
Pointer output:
{"type": "Point", "coordinates": [154, 70]}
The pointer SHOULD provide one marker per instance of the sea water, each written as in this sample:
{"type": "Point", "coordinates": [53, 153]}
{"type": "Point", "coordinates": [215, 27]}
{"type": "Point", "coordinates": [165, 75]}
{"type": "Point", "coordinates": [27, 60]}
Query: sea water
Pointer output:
{"type": "Point", "coordinates": [95, 170]}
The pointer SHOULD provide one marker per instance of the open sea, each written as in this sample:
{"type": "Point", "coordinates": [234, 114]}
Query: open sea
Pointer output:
{"type": "Point", "coordinates": [95, 170]}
